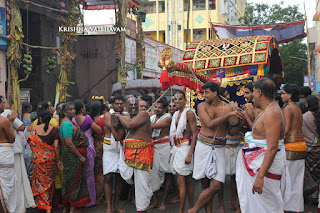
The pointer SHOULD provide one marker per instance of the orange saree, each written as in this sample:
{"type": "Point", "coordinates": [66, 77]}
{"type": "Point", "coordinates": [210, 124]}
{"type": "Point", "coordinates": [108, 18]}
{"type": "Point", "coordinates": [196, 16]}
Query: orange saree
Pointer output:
{"type": "Point", "coordinates": [43, 162]}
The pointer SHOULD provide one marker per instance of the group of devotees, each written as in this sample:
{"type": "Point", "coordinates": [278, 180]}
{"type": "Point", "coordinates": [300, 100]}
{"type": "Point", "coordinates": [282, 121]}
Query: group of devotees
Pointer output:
{"type": "Point", "coordinates": [168, 149]}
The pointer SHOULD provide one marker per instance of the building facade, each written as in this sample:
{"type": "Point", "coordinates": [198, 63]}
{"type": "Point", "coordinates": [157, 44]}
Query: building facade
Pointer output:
{"type": "Point", "coordinates": [166, 20]}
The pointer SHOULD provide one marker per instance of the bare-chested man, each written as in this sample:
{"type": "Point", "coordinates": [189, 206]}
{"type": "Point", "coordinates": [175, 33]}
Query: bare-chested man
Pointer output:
{"type": "Point", "coordinates": [111, 152]}
{"type": "Point", "coordinates": [251, 112]}
{"type": "Point", "coordinates": [138, 151]}
{"type": "Point", "coordinates": [183, 133]}
{"type": "Point", "coordinates": [7, 138]}
{"type": "Point", "coordinates": [160, 123]}
{"type": "Point", "coordinates": [209, 158]}
{"type": "Point", "coordinates": [261, 164]}
{"type": "Point", "coordinates": [295, 146]}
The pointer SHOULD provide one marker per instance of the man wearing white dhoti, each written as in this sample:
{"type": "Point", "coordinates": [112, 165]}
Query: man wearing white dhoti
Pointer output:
{"type": "Point", "coordinates": [209, 156]}
{"type": "Point", "coordinates": [21, 197]}
{"type": "Point", "coordinates": [110, 158]}
{"type": "Point", "coordinates": [295, 147]}
{"type": "Point", "coordinates": [160, 123]}
{"type": "Point", "coordinates": [7, 139]}
{"type": "Point", "coordinates": [183, 134]}
{"type": "Point", "coordinates": [138, 152]}
{"type": "Point", "coordinates": [262, 183]}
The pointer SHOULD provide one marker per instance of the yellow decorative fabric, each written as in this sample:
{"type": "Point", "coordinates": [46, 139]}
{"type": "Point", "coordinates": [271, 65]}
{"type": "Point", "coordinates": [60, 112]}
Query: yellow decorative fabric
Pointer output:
{"type": "Point", "coordinates": [295, 147]}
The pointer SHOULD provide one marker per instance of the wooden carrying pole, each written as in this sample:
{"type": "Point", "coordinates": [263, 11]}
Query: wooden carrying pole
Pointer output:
{"type": "Point", "coordinates": [308, 48]}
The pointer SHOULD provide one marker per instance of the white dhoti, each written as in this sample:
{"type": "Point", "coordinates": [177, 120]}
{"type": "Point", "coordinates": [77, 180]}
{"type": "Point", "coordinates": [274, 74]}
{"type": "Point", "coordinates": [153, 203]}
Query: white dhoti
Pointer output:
{"type": "Point", "coordinates": [142, 182]}
{"type": "Point", "coordinates": [143, 189]}
{"type": "Point", "coordinates": [111, 153]}
{"type": "Point", "coordinates": [6, 173]}
{"type": "Point", "coordinates": [276, 187]}
{"type": "Point", "coordinates": [178, 157]}
{"type": "Point", "coordinates": [21, 197]}
{"type": "Point", "coordinates": [231, 153]}
{"type": "Point", "coordinates": [160, 162]}
{"type": "Point", "coordinates": [296, 171]}
{"type": "Point", "coordinates": [125, 171]}
{"type": "Point", "coordinates": [181, 146]}
{"type": "Point", "coordinates": [209, 162]}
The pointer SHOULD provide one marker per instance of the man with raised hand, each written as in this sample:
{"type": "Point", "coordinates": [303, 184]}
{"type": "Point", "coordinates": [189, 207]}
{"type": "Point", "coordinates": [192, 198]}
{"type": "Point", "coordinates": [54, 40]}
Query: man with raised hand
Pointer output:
{"type": "Point", "coordinates": [261, 164]}
{"type": "Point", "coordinates": [138, 152]}
{"type": "Point", "coordinates": [183, 134]}
{"type": "Point", "coordinates": [209, 156]}
{"type": "Point", "coordinates": [160, 123]}
{"type": "Point", "coordinates": [110, 158]}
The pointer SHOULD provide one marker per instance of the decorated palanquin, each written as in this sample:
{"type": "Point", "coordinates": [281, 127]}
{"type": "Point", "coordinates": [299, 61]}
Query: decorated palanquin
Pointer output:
{"type": "Point", "coordinates": [232, 62]}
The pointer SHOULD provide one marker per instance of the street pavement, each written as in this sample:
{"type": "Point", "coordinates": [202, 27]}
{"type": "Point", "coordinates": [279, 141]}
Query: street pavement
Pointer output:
{"type": "Point", "coordinates": [172, 208]}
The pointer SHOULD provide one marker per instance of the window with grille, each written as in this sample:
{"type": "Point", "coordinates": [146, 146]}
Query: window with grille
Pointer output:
{"type": "Point", "coordinates": [199, 4]}
{"type": "Point", "coordinates": [197, 34]}
{"type": "Point", "coordinates": [212, 4]}
{"type": "Point", "coordinates": [162, 7]}
{"type": "Point", "coordinates": [148, 7]}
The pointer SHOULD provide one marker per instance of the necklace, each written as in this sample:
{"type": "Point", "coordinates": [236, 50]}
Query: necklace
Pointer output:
{"type": "Point", "coordinates": [261, 114]}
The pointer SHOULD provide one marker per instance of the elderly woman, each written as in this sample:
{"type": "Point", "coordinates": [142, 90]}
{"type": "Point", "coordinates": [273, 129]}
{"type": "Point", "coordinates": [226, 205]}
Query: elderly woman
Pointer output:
{"type": "Point", "coordinates": [73, 154]}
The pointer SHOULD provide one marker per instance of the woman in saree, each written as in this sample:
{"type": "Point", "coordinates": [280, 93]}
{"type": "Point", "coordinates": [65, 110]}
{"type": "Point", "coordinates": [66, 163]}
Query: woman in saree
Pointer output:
{"type": "Point", "coordinates": [87, 125]}
{"type": "Point", "coordinates": [44, 143]}
{"type": "Point", "coordinates": [95, 113]}
{"type": "Point", "coordinates": [311, 130]}
{"type": "Point", "coordinates": [73, 154]}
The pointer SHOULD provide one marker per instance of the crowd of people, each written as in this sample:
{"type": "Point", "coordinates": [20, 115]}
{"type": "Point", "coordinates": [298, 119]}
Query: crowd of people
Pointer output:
{"type": "Point", "coordinates": [77, 155]}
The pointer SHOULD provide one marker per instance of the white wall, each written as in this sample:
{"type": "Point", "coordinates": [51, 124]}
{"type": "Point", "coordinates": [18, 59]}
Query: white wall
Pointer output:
{"type": "Point", "coordinates": [99, 17]}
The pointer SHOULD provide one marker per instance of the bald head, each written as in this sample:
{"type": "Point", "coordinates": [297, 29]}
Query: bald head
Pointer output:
{"type": "Point", "coordinates": [266, 86]}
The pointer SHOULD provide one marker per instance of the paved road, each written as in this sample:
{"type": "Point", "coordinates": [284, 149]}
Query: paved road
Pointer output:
{"type": "Point", "coordinates": [171, 208]}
